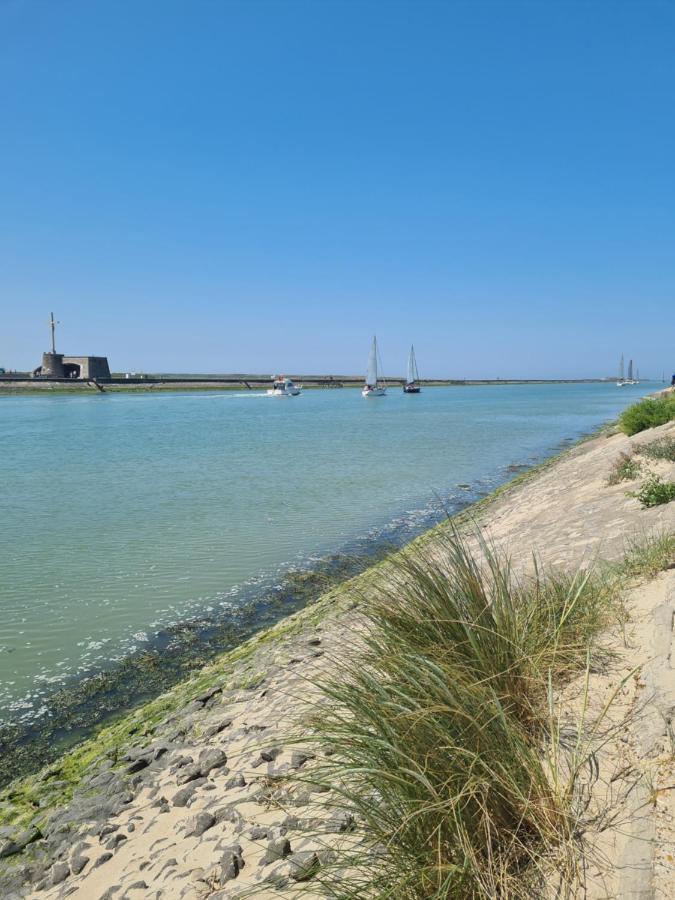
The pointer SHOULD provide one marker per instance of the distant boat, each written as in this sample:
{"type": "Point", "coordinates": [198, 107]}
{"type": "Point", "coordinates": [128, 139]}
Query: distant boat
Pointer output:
{"type": "Point", "coordinates": [374, 386]}
{"type": "Point", "coordinates": [630, 379]}
{"type": "Point", "coordinates": [621, 381]}
{"type": "Point", "coordinates": [284, 387]}
{"type": "Point", "coordinates": [412, 382]}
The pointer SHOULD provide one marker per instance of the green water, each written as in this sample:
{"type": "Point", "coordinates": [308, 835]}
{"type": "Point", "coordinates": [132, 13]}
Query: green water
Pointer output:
{"type": "Point", "coordinates": [124, 514]}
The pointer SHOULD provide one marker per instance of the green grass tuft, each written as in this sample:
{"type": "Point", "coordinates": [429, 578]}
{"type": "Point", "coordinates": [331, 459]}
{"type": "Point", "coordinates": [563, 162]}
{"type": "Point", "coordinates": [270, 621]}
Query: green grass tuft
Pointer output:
{"type": "Point", "coordinates": [664, 448]}
{"type": "Point", "coordinates": [646, 556]}
{"type": "Point", "coordinates": [655, 492]}
{"type": "Point", "coordinates": [624, 468]}
{"type": "Point", "coordinates": [435, 730]}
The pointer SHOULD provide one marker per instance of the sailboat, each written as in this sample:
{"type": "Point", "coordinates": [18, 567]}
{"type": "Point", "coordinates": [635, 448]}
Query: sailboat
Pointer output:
{"type": "Point", "coordinates": [374, 387]}
{"type": "Point", "coordinates": [622, 381]}
{"type": "Point", "coordinates": [630, 379]}
{"type": "Point", "coordinates": [412, 382]}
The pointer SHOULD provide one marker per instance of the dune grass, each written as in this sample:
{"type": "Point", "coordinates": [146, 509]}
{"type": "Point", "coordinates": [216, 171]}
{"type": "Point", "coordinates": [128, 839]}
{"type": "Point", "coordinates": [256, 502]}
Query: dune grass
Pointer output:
{"type": "Point", "coordinates": [438, 738]}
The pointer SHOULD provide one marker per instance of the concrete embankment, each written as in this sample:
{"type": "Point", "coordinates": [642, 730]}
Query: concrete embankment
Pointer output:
{"type": "Point", "coordinates": [15, 384]}
{"type": "Point", "coordinates": [189, 796]}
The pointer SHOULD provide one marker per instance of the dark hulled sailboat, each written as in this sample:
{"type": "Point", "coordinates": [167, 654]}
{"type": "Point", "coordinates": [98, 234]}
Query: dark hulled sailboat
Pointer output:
{"type": "Point", "coordinates": [412, 382]}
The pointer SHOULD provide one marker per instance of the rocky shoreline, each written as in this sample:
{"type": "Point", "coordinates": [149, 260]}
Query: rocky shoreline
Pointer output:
{"type": "Point", "coordinates": [207, 791]}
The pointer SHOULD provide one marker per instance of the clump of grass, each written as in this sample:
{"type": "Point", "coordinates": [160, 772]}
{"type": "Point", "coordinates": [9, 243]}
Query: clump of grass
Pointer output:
{"type": "Point", "coordinates": [624, 468]}
{"type": "Point", "coordinates": [646, 556]}
{"type": "Point", "coordinates": [648, 413]}
{"type": "Point", "coordinates": [664, 448]}
{"type": "Point", "coordinates": [436, 730]}
{"type": "Point", "coordinates": [655, 491]}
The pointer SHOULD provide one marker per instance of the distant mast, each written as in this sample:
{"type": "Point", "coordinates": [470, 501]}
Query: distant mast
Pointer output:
{"type": "Point", "coordinates": [53, 323]}
{"type": "Point", "coordinates": [621, 378]}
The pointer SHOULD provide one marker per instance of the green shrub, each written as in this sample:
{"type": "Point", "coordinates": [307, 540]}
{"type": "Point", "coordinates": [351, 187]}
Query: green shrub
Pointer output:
{"type": "Point", "coordinates": [648, 413]}
{"type": "Point", "coordinates": [664, 448]}
{"type": "Point", "coordinates": [624, 468]}
{"type": "Point", "coordinates": [655, 491]}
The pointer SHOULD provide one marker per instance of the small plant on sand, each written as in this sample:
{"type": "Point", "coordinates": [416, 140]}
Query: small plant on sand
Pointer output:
{"type": "Point", "coordinates": [435, 736]}
{"type": "Point", "coordinates": [664, 449]}
{"type": "Point", "coordinates": [655, 492]}
{"type": "Point", "coordinates": [646, 556]}
{"type": "Point", "coordinates": [624, 468]}
{"type": "Point", "coordinates": [648, 413]}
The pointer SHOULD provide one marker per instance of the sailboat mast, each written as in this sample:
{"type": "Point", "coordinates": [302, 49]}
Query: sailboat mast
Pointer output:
{"type": "Point", "coordinates": [621, 369]}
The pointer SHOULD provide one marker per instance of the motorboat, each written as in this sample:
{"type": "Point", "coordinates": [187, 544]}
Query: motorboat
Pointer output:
{"type": "Point", "coordinates": [284, 387]}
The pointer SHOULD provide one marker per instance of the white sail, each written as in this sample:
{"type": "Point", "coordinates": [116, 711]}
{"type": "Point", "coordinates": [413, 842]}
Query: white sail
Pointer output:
{"type": "Point", "coordinates": [412, 367]}
{"type": "Point", "coordinates": [371, 374]}
{"type": "Point", "coordinates": [630, 370]}
{"type": "Point", "coordinates": [621, 369]}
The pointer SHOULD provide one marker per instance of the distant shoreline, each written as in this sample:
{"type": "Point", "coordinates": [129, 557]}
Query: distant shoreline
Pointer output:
{"type": "Point", "coordinates": [16, 384]}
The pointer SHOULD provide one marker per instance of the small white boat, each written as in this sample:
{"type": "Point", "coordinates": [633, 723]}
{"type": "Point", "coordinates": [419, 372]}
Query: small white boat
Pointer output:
{"type": "Point", "coordinates": [374, 386]}
{"type": "Point", "coordinates": [284, 387]}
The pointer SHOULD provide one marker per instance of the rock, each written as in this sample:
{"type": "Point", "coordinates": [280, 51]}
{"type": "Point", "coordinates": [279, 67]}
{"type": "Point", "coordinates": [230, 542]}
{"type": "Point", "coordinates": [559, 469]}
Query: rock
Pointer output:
{"type": "Point", "coordinates": [208, 694]}
{"type": "Point", "coordinates": [231, 864]}
{"type": "Point", "coordinates": [276, 850]}
{"type": "Point", "coordinates": [304, 865]}
{"type": "Point", "coordinates": [115, 841]}
{"type": "Point", "coordinates": [271, 754]}
{"type": "Point", "coordinates": [138, 752]}
{"type": "Point", "coordinates": [131, 828]}
{"type": "Point", "coordinates": [184, 795]}
{"type": "Point", "coordinates": [198, 824]}
{"type": "Point", "coordinates": [103, 858]}
{"type": "Point", "coordinates": [217, 727]}
{"type": "Point", "coordinates": [60, 871]}
{"type": "Point", "coordinates": [314, 642]}
{"type": "Point", "coordinates": [138, 886]}
{"type": "Point", "coordinates": [258, 833]}
{"type": "Point", "coordinates": [77, 863]}
{"type": "Point", "coordinates": [229, 814]}
{"type": "Point", "coordinates": [19, 841]}
{"type": "Point", "coordinates": [189, 773]}
{"type": "Point", "coordinates": [138, 764]}
{"type": "Point", "coordinates": [299, 758]}
{"type": "Point", "coordinates": [340, 822]}
{"type": "Point", "coordinates": [211, 759]}
{"type": "Point", "coordinates": [110, 893]}
{"type": "Point", "coordinates": [108, 829]}
{"type": "Point", "coordinates": [237, 781]}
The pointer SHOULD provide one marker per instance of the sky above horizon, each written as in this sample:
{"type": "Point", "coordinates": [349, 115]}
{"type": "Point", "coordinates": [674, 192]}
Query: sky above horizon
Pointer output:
{"type": "Point", "coordinates": [260, 186]}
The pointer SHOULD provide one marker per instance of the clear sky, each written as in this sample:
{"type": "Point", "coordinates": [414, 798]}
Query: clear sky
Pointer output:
{"type": "Point", "coordinates": [218, 186]}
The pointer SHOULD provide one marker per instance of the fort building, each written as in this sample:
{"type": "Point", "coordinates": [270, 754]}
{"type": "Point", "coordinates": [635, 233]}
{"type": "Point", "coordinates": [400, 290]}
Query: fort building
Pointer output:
{"type": "Point", "coordinates": [58, 365]}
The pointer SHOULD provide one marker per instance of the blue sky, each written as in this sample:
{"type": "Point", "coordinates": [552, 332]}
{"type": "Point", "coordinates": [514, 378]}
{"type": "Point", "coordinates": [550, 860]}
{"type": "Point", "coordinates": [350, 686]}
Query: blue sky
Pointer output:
{"type": "Point", "coordinates": [194, 185]}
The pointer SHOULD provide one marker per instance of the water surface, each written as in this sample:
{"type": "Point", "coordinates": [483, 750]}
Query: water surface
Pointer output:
{"type": "Point", "coordinates": [125, 513]}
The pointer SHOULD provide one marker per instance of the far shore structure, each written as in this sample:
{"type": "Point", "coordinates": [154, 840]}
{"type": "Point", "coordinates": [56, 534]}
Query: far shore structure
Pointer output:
{"type": "Point", "coordinates": [58, 365]}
